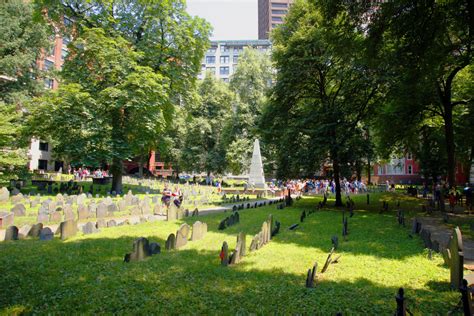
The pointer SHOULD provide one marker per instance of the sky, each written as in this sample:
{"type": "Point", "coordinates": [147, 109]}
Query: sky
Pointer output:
{"type": "Point", "coordinates": [231, 19]}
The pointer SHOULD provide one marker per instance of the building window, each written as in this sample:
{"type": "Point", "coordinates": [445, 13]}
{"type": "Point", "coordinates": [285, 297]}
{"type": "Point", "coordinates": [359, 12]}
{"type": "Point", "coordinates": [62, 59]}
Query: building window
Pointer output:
{"type": "Point", "coordinates": [212, 50]}
{"type": "Point", "coordinates": [211, 70]}
{"type": "Point", "coordinates": [279, 5]}
{"type": "Point", "coordinates": [210, 59]}
{"type": "Point", "coordinates": [224, 70]}
{"type": "Point", "coordinates": [48, 65]}
{"type": "Point", "coordinates": [238, 49]}
{"type": "Point", "coordinates": [48, 83]}
{"type": "Point", "coordinates": [43, 146]}
{"type": "Point", "coordinates": [63, 54]}
{"type": "Point", "coordinates": [66, 40]}
{"type": "Point", "coordinates": [279, 12]}
{"type": "Point", "coordinates": [42, 164]}
{"type": "Point", "coordinates": [277, 19]}
{"type": "Point", "coordinates": [53, 50]}
{"type": "Point", "coordinates": [409, 156]}
{"type": "Point", "coordinates": [380, 170]}
{"type": "Point", "coordinates": [236, 59]}
{"type": "Point", "coordinates": [410, 169]}
{"type": "Point", "coordinates": [224, 49]}
{"type": "Point", "coordinates": [224, 59]}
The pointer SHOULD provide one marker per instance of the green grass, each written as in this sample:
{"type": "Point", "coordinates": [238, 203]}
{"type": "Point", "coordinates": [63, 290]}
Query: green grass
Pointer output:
{"type": "Point", "coordinates": [86, 274]}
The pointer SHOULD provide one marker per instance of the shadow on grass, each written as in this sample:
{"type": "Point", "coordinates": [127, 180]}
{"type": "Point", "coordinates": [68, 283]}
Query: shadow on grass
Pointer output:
{"type": "Point", "coordinates": [89, 276]}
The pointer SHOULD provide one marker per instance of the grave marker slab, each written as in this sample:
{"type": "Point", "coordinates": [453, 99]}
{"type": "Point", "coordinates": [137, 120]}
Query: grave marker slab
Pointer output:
{"type": "Point", "coordinates": [170, 242]}
{"type": "Point", "coordinates": [11, 233]}
{"type": "Point", "coordinates": [182, 235]}
{"type": "Point", "coordinates": [35, 230]}
{"type": "Point", "coordinates": [46, 234]}
{"type": "Point", "coordinates": [19, 210]}
{"type": "Point", "coordinates": [6, 219]}
{"type": "Point", "coordinates": [23, 231]}
{"type": "Point", "coordinates": [68, 229]}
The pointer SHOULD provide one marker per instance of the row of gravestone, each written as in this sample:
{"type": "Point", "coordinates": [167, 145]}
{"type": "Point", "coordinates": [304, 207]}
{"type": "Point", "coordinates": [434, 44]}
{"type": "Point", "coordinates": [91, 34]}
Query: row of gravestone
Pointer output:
{"type": "Point", "coordinates": [68, 228]}
{"type": "Point", "coordinates": [180, 239]}
{"type": "Point", "coordinates": [173, 213]}
{"type": "Point", "coordinates": [229, 221]}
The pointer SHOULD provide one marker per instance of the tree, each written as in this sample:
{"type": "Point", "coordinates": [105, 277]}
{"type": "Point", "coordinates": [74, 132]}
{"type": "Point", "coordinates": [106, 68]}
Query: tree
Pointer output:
{"type": "Point", "coordinates": [250, 82]}
{"type": "Point", "coordinates": [22, 40]}
{"type": "Point", "coordinates": [203, 146]}
{"type": "Point", "coordinates": [161, 47]}
{"type": "Point", "coordinates": [106, 106]}
{"type": "Point", "coordinates": [324, 88]}
{"type": "Point", "coordinates": [424, 45]}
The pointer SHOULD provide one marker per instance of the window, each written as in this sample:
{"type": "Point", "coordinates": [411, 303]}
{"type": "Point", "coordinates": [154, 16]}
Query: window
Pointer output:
{"type": "Point", "coordinates": [224, 59]}
{"type": "Point", "coordinates": [210, 59]}
{"type": "Point", "coordinates": [224, 49]}
{"type": "Point", "coordinates": [224, 70]}
{"type": "Point", "coordinates": [48, 83]}
{"type": "Point", "coordinates": [236, 59]}
{"type": "Point", "coordinates": [279, 12]}
{"type": "Point", "coordinates": [277, 19]}
{"type": "Point", "coordinates": [410, 169]}
{"type": "Point", "coordinates": [212, 50]}
{"type": "Point", "coordinates": [42, 164]}
{"type": "Point", "coordinates": [211, 70]}
{"type": "Point", "coordinates": [279, 5]}
{"type": "Point", "coordinates": [63, 54]}
{"type": "Point", "coordinates": [52, 51]}
{"type": "Point", "coordinates": [48, 65]}
{"type": "Point", "coordinates": [409, 156]}
{"type": "Point", "coordinates": [66, 40]}
{"type": "Point", "coordinates": [238, 49]}
{"type": "Point", "coordinates": [43, 146]}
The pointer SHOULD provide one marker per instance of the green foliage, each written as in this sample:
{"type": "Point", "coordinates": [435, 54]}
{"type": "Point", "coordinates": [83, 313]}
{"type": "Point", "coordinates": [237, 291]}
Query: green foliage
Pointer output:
{"type": "Point", "coordinates": [204, 149]}
{"type": "Point", "coordinates": [94, 279]}
{"type": "Point", "coordinates": [22, 40]}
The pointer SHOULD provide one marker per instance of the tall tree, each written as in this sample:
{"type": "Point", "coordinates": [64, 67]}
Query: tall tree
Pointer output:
{"type": "Point", "coordinates": [204, 150]}
{"type": "Point", "coordinates": [424, 45]}
{"type": "Point", "coordinates": [22, 41]}
{"type": "Point", "coordinates": [324, 87]}
{"type": "Point", "coordinates": [158, 71]}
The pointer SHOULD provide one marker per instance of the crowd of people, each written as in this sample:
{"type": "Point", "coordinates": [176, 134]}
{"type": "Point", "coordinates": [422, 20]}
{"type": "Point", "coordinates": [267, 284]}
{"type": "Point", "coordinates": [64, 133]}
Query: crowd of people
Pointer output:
{"type": "Point", "coordinates": [81, 174]}
{"type": "Point", "coordinates": [323, 186]}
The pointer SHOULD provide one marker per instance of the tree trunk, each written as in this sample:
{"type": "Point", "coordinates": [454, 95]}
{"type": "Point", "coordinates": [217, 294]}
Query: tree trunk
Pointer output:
{"type": "Point", "coordinates": [337, 171]}
{"type": "Point", "coordinates": [116, 169]}
{"type": "Point", "coordinates": [449, 135]}
{"type": "Point", "coordinates": [358, 170]}
{"type": "Point", "coordinates": [140, 166]}
{"type": "Point", "coordinates": [369, 180]}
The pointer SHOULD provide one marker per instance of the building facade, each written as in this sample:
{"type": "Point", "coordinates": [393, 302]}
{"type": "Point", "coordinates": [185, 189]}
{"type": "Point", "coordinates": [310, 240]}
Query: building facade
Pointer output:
{"type": "Point", "coordinates": [271, 13]}
{"type": "Point", "coordinates": [222, 57]}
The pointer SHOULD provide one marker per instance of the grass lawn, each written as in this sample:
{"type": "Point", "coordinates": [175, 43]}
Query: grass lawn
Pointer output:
{"type": "Point", "coordinates": [87, 275]}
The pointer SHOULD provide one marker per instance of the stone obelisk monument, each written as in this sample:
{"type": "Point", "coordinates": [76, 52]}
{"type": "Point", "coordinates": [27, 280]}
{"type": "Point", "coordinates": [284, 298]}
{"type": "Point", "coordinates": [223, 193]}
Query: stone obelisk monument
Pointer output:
{"type": "Point", "coordinates": [256, 176]}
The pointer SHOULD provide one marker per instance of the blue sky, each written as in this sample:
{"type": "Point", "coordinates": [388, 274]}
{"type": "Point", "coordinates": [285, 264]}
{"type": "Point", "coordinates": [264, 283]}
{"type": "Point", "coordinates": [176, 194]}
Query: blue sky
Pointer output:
{"type": "Point", "coordinates": [231, 19]}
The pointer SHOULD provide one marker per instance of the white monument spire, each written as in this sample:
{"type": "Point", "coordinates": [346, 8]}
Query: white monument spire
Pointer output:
{"type": "Point", "coordinates": [256, 176]}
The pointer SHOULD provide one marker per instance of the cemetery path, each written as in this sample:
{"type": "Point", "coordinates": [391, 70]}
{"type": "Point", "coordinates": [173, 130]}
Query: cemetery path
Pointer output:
{"type": "Point", "coordinates": [229, 207]}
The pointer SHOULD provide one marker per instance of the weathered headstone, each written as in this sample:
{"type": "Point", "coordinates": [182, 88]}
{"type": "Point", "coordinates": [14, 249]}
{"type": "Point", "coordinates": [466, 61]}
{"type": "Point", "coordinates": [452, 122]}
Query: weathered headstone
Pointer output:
{"type": "Point", "coordinates": [4, 194]}
{"type": "Point", "coordinates": [42, 218]}
{"type": "Point", "coordinates": [35, 230]}
{"type": "Point", "coordinates": [81, 199]}
{"type": "Point", "coordinates": [82, 212]}
{"type": "Point", "coordinates": [19, 210]}
{"type": "Point", "coordinates": [101, 210]}
{"type": "Point", "coordinates": [55, 216]}
{"type": "Point", "coordinates": [122, 205]}
{"type": "Point", "coordinates": [101, 223]}
{"type": "Point", "coordinates": [11, 233]}
{"type": "Point", "coordinates": [69, 215]}
{"type": "Point", "coordinates": [224, 254]}
{"type": "Point", "coordinates": [46, 234]}
{"type": "Point", "coordinates": [182, 235]}
{"type": "Point", "coordinates": [172, 212]}
{"type": "Point", "coordinates": [170, 242]}
{"type": "Point", "coordinates": [141, 250]}
{"type": "Point", "coordinates": [23, 231]}
{"type": "Point", "coordinates": [198, 231]}
{"type": "Point", "coordinates": [6, 219]}
{"type": "Point", "coordinates": [89, 228]}
{"type": "Point", "coordinates": [154, 248]}
{"type": "Point", "coordinates": [68, 229]}
{"type": "Point", "coordinates": [111, 223]}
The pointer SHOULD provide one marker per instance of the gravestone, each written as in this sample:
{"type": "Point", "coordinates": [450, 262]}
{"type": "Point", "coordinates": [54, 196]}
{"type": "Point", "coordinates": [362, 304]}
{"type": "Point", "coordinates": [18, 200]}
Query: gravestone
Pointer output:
{"type": "Point", "coordinates": [92, 209]}
{"type": "Point", "coordinates": [122, 205]}
{"type": "Point", "coordinates": [11, 233]}
{"type": "Point", "coordinates": [276, 229]}
{"type": "Point", "coordinates": [55, 216]}
{"type": "Point", "coordinates": [224, 254]}
{"type": "Point", "coordinates": [17, 197]}
{"type": "Point", "coordinates": [170, 242]}
{"type": "Point", "coordinates": [81, 199]}
{"type": "Point", "coordinates": [264, 232]}
{"type": "Point", "coordinates": [23, 231]}
{"type": "Point", "coordinates": [311, 276]}
{"type": "Point", "coordinates": [19, 210]}
{"type": "Point", "coordinates": [182, 235]}
{"type": "Point", "coordinates": [101, 210]}
{"type": "Point", "coordinates": [172, 212]}
{"type": "Point", "coordinates": [154, 248]}
{"type": "Point", "coordinates": [269, 227]}
{"type": "Point", "coordinates": [255, 244]}
{"type": "Point", "coordinates": [4, 194]}
{"type": "Point", "coordinates": [242, 239]}
{"type": "Point", "coordinates": [198, 231]}
{"type": "Point", "coordinates": [6, 219]}
{"type": "Point", "coordinates": [82, 212]}
{"type": "Point", "coordinates": [111, 209]}
{"type": "Point", "coordinates": [42, 218]}
{"type": "Point", "coordinates": [35, 230]}
{"type": "Point", "coordinates": [195, 212]}
{"type": "Point", "coordinates": [69, 215]}
{"type": "Point", "coordinates": [68, 229]}
{"type": "Point", "coordinates": [89, 228]}
{"type": "Point", "coordinates": [141, 250]}
{"type": "Point", "coordinates": [455, 258]}
{"type": "Point", "coordinates": [46, 234]}
{"type": "Point", "coordinates": [334, 241]}
{"type": "Point", "coordinates": [111, 223]}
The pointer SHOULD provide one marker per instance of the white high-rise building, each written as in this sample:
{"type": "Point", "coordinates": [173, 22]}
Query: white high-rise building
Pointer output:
{"type": "Point", "coordinates": [222, 57]}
